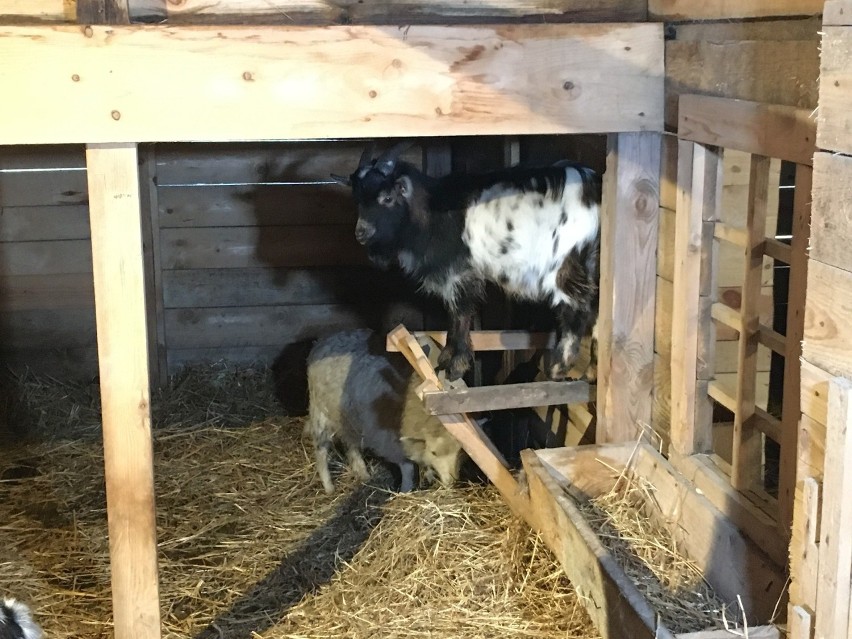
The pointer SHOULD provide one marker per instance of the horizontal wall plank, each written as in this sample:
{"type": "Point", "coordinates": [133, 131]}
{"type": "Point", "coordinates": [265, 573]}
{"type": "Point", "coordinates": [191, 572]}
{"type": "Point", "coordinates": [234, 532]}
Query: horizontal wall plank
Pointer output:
{"type": "Point", "coordinates": [28, 223]}
{"type": "Point", "coordinates": [730, 10]}
{"type": "Point", "coordinates": [195, 288]}
{"type": "Point", "coordinates": [47, 329]}
{"type": "Point", "coordinates": [776, 131]}
{"type": "Point", "coordinates": [407, 11]}
{"type": "Point", "coordinates": [255, 206]}
{"type": "Point", "coordinates": [43, 188]}
{"type": "Point", "coordinates": [80, 363]}
{"type": "Point", "coordinates": [800, 28]}
{"type": "Point", "coordinates": [831, 212]}
{"type": "Point", "coordinates": [761, 70]}
{"type": "Point", "coordinates": [834, 132]}
{"type": "Point", "coordinates": [248, 247]}
{"type": "Point", "coordinates": [273, 326]}
{"type": "Point", "coordinates": [59, 290]}
{"type": "Point", "coordinates": [262, 83]}
{"type": "Point", "coordinates": [828, 319]}
{"type": "Point", "coordinates": [47, 257]}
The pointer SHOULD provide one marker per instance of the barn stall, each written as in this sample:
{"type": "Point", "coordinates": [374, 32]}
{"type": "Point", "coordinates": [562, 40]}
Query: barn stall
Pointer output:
{"type": "Point", "coordinates": [182, 329]}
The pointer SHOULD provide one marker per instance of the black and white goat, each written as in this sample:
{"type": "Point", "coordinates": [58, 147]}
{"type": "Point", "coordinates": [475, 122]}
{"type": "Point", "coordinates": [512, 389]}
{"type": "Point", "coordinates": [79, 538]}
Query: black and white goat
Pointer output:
{"type": "Point", "coordinates": [534, 232]}
{"type": "Point", "coordinates": [16, 621]}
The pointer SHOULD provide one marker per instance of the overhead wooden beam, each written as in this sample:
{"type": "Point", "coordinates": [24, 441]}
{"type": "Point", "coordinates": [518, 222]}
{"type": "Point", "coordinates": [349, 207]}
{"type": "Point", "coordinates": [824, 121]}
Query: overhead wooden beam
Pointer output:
{"type": "Point", "coordinates": [530, 394]}
{"type": "Point", "coordinates": [118, 264]}
{"type": "Point", "coordinates": [776, 131]}
{"type": "Point", "coordinates": [489, 340]}
{"type": "Point", "coordinates": [730, 9]}
{"type": "Point", "coordinates": [64, 84]}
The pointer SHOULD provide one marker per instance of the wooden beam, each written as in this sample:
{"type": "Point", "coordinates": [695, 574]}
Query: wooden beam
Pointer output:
{"type": "Point", "coordinates": [699, 197]}
{"type": "Point", "coordinates": [101, 84]}
{"type": "Point", "coordinates": [828, 319]}
{"type": "Point", "coordinates": [767, 424]}
{"type": "Point", "coordinates": [791, 408]}
{"type": "Point", "coordinates": [776, 131]}
{"type": "Point", "coordinates": [799, 623]}
{"type": "Point", "coordinates": [773, 340]}
{"type": "Point", "coordinates": [531, 394]}
{"type": "Point", "coordinates": [747, 448]}
{"type": "Point", "coordinates": [491, 340]}
{"type": "Point", "coordinates": [834, 120]}
{"type": "Point", "coordinates": [835, 546]}
{"type": "Point", "coordinates": [731, 234]}
{"type": "Point", "coordinates": [777, 249]}
{"type": "Point", "coordinates": [726, 315]}
{"type": "Point", "coordinates": [722, 395]}
{"type": "Point", "coordinates": [831, 223]}
{"type": "Point", "coordinates": [629, 226]}
{"type": "Point", "coordinates": [727, 10]}
{"type": "Point", "coordinates": [804, 545]}
{"type": "Point", "coordinates": [117, 260]}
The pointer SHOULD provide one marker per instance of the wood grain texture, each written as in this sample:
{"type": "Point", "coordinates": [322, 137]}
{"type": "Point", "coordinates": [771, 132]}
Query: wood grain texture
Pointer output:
{"type": "Point", "coordinates": [44, 258]}
{"type": "Point", "coordinates": [260, 83]}
{"type": "Point", "coordinates": [122, 346]}
{"type": "Point", "coordinates": [814, 392]}
{"type": "Point", "coordinates": [834, 121]}
{"type": "Point", "coordinates": [837, 13]}
{"type": "Point", "coordinates": [32, 223]}
{"type": "Point", "coordinates": [530, 394]}
{"type": "Point", "coordinates": [828, 319]}
{"type": "Point", "coordinates": [730, 9]}
{"type": "Point", "coordinates": [775, 72]}
{"type": "Point", "coordinates": [835, 544]}
{"type": "Point", "coordinates": [102, 12]}
{"type": "Point", "coordinates": [831, 223]}
{"type": "Point", "coordinates": [777, 131]}
{"type": "Point", "coordinates": [626, 325]}
{"type": "Point", "coordinates": [46, 292]}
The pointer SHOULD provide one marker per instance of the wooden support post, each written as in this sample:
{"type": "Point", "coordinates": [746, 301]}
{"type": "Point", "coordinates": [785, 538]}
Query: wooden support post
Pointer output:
{"type": "Point", "coordinates": [791, 407]}
{"type": "Point", "coordinates": [835, 547]}
{"type": "Point", "coordinates": [746, 466]}
{"type": "Point", "coordinates": [699, 198]}
{"type": "Point", "coordinates": [118, 267]}
{"type": "Point", "coordinates": [629, 226]}
{"type": "Point", "coordinates": [102, 12]}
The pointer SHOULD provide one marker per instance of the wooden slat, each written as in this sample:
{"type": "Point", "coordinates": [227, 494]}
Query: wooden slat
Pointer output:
{"type": "Point", "coordinates": [800, 623]}
{"type": "Point", "coordinates": [726, 10]}
{"type": "Point", "coordinates": [699, 195]}
{"type": "Point", "coordinates": [747, 447]}
{"type": "Point", "coordinates": [828, 319]}
{"type": "Point", "coordinates": [406, 11]}
{"type": "Point", "coordinates": [834, 121]}
{"type": "Point", "coordinates": [831, 224]}
{"type": "Point", "coordinates": [57, 328]}
{"type": "Point", "coordinates": [804, 545]}
{"type": "Point", "coordinates": [767, 424]}
{"type": "Point", "coordinates": [837, 13]}
{"type": "Point", "coordinates": [258, 246]}
{"type": "Point", "coordinates": [665, 248]}
{"type": "Point", "coordinates": [627, 285]}
{"type": "Point", "coordinates": [772, 130]}
{"type": "Point", "coordinates": [722, 395]}
{"type": "Point", "coordinates": [46, 258]}
{"type": "Point", "coordinates": [492, 340]}
{"type": "Point", "coordinates": [260, 83]}
{"type": "Point", "coordinates": [30, 223]}
{"type": "Point", "coordinates": [46, 292]}
{"type": "Point", "coordinates": [473, 400]}
{"type": "Point", "coordinates": [767, 71]}
{"type": "Point", "coordinates": [791, 408]}
{"type": "Point", "coordinates": [732, 234]}
{"type": "Point", "coordinates": [772, 340]}
{"type": "Point", "coordinates": [814, 392]}
{"type": "Point", "coordinates": [777, 250]}
{"type": "Point", "coordinates": [726, 315]}
{"type": "Point", "coordinates": [128, 451]}
{"type": "Point", "coordinates": [835, 545]}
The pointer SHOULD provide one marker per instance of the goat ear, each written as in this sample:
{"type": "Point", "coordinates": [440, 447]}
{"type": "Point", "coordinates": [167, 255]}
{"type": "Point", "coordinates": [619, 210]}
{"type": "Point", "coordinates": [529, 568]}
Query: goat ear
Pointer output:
{"type": "Point", "coordinates": [404, 186]}
{"type": "Point", "coordinates": [340, 179]}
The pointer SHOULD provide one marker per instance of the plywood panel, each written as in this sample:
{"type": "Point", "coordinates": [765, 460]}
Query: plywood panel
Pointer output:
{"type": "Point", "coordinates": [248, 247]}
{"type": "Point", "coordinates": [831, 217]}
{"type": "Point", "coordinates": [106, 83]}
{"type": "Point", "coordinates": [828, 319]}
{"type": "Point", "coordinates": [26, 223]}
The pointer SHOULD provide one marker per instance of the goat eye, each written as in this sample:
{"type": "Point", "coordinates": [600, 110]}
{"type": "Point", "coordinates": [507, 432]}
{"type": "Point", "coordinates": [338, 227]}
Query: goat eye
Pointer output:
{"type": "Point", "coordinates": [387, 200]}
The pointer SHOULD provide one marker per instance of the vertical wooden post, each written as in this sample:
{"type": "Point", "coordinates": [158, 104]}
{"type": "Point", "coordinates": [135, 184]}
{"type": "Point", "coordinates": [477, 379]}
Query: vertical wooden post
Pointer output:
{"type": "Point", "coordinates": [748, 442]}
{"type": "Point", "coordinates": [791, 408]}
{"type": "Point", "coordinates": [698, 200]}
{"type": "Point", "coordinates": [835, 547]}
{"type": "Point", "coordinates": [103, 12]}
{"type": "Point", "coordinates": [629, 227]}
{"type": "Point", "coordinates": [118, 267]}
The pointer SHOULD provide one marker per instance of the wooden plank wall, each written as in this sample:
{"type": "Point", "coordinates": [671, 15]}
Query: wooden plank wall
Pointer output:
{"type": "Point", "coordinates": [46, 295]}
{"type": "Point", "coordinates": [827, 345]}
{"type": "Point", "coordinates": [765, 60]}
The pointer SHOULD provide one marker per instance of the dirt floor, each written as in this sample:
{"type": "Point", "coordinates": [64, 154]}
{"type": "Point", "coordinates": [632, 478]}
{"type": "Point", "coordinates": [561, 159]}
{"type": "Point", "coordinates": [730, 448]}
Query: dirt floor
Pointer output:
{"type": "Point", "coordinates": [250, 545]}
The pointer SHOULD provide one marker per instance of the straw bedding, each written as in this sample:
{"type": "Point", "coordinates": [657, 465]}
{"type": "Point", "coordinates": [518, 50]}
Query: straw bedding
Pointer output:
{"type": "Point", "coordinates": [250, 545]}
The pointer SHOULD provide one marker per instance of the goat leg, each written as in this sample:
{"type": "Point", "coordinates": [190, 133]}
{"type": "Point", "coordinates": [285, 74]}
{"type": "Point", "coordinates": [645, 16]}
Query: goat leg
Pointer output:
{"type": "Point", "coordinates": [457, 356]}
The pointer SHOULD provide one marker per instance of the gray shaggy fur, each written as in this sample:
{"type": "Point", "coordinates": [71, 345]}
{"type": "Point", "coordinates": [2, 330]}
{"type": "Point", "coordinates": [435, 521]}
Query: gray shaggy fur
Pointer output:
{"type": "Point", "coordinates": [366, 398]}
{"type": "Point", "coordinates": [16, 622]}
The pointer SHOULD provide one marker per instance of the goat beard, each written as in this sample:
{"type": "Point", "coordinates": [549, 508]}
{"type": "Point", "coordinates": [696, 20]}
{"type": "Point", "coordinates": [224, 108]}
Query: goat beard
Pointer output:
{"type": "Point", "coordinates": [379, 257]}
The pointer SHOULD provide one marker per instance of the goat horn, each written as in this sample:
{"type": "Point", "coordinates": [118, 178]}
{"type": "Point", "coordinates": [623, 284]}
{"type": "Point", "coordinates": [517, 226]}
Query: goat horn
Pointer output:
{"type": "Point", "coordinates": [387, 160]}
{"type": "Point", "coordinates": [367, 155]}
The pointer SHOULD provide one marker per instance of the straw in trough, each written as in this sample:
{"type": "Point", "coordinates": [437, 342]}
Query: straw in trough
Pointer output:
{"type": "Point", "coordinates": [249, 544]}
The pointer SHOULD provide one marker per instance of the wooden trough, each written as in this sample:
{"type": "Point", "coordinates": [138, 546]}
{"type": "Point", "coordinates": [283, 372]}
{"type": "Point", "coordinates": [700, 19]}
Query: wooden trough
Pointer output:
{"type": "Point", "coordinates": [558, 479]}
